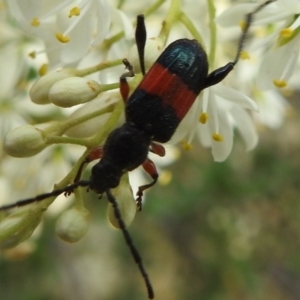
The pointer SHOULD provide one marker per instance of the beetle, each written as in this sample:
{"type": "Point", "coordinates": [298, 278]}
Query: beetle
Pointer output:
{"type": "Point", "coordinates": [153, 112]}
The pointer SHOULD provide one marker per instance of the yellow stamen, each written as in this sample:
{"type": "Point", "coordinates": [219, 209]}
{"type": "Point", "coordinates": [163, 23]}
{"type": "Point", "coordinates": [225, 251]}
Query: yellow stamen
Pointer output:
{"type": "Point", "coordinates": [217, 137]}
{"type": "Point", "coordinates": [32, 54]}
{"type": "Point", "coordinates": [286, 32]}
{"type": "Point", "coordinates": [35, 22]}
{"type": "Point", "coordinates": [165, 177]}
{"type": "Point", "coordinates": [75, 11]}
{"type": "Point", "coordinates": [242, 25]}
{"type": "Point", "coordinates": [203, 118]}
{"type": "Point", "coordinates": [43, 69]}
{"type": "Point", "coordinates": [62, 38]}
{"type": "Point", "coordinates": [244, 55]}
{"type": "Point", "coordinates": [280, 83]}
{"type": "Point", "coordinates": [186, 146]}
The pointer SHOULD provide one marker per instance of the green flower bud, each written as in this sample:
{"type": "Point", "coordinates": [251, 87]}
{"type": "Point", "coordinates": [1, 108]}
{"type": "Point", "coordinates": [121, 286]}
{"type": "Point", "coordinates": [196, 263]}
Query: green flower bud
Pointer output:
{"type": "Point", "coordinates": [39, 92]}
{"type": "Point", "coordinates": [73, 90]}
{"type": "Point", "coordinates": [18, 227]}
{"type": "Point", "coordinates": [9, 237]}
{"type": "Point", "coordinates": [72, 224]}
{"type": "Point", "coordinates": [24, 141]}
{"type": "Point", "coordinates": [153, 49]}
{"type": "Point", "coordinates": [126, 203]}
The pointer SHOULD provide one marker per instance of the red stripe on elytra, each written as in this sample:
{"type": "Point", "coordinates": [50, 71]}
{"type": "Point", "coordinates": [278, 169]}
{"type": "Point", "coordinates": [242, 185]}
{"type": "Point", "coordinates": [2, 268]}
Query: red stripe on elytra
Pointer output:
{"type": "Point", "coordinates": [170, 88]}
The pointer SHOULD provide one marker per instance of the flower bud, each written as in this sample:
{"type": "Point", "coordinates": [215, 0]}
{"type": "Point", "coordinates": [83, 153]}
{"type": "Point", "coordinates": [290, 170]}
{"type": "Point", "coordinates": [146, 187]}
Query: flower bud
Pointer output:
{"type": "Point", "coordinates": [72, 224]}
{"type": "Point", "coordinates": [71, 91]}
{"type": "Point", "coordinates": [9, 237]}
{"type": "Point", "coordinates": [24, 141]}
{"type": "Point", "coordinates": [126, 204]}
{"type": "Point", "coordinates": [91, 126]}
{"type": "Point", "coordinates": [153, 49]}
{"type": "Point", "coordinates": [40, 89]}
{"type": "Point", "coordinates": [18, 227]}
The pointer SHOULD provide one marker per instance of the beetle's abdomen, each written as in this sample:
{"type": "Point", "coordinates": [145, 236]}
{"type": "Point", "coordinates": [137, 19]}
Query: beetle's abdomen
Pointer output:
{"type": "Point", "coordinates": [168, 90]}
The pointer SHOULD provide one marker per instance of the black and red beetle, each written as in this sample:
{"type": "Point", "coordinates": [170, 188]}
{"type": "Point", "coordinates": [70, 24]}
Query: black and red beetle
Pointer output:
{"type": "Point", "coordinates": [153, 113]}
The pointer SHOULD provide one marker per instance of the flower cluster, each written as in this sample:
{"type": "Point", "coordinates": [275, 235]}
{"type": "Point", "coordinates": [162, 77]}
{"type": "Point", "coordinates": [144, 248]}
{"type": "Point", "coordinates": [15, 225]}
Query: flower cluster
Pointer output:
{"type": "Point", "coordinates": [83, 45]}
{"type": "Point", "coordinates": [280, 60]}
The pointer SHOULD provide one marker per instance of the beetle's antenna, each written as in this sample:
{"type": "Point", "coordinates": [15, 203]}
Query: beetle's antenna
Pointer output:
{"type": "Point", "coordinates": [68, 190]}
{"type": "Point", "coordinates": [140, 39]}
{"type": "Point", "coordinates": [248, 22]}
{"type": "Point", "coordinates": [130, 244]}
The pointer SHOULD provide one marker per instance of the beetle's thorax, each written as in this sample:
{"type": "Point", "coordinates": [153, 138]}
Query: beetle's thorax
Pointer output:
{"type": "Point", "coordinates": [125, 149]}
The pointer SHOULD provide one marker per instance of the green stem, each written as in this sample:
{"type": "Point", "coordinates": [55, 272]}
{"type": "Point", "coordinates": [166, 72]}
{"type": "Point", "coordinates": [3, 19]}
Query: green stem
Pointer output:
{"type": "Point", "coordinates": [60, 128]}
{"type": "Point", "coordinates": [110, 41]}
{"type": "Point", "coordinates": [79, 203]}
{"type": "Point", "coordinates": [90, 142]}
{"type": "Point", "coordinates": [98, 139]}
{"type": "Point", "coordinates": [120, 4]}
{"type": "Point", "coordinates": [109, 87]}
{"type": "Point", "coordinates": [213, 32]}
{"type": "Point", "coordinates": [66, 140]}
{"type": "Point", "coordinates": [110, 124]}
{"type": "Point", "coordinates": [99, 67]}
{"type": "Point", "coordinates": [190, 27]}
{"type": "Point", "coordinates": [154, 7]}
{"type": "Point", "coordinates": [171, 17]}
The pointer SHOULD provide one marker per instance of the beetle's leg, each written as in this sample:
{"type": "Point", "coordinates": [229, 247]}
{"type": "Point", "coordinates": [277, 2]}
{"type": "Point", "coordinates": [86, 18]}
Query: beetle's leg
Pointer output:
{"type": "Point", "coordinates": [124, 87]}
{"type": "Point", "coordinates": [219, 74]}
{"type": "Point", "coordinates": [157, 149]}
{"type": "Point", "coordinates": [96, 153]}
{"type": "Point", "coordinates": [150, 168]}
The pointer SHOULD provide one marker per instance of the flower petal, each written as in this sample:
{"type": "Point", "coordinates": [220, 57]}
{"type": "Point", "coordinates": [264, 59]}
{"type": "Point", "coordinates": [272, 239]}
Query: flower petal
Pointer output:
{"type": "Point", "coordinates": [123, 21]}
{"type": "Point", "coordinates": [272, 109]}
{"type": "Point", "coordinates": [236, 13]}
{"type": "Point", "coordinates": [245, 126]}
{"type": "Point", "coordinates": [221, 150]}
{"type": "Point", "coordinates": [285, 57]}
{"type": "Point", "coordinates": [103, 17]}
{"type": "Point", "coordinates": [234, 96]}
{"type": "Point", "coordinates": [80, 39]}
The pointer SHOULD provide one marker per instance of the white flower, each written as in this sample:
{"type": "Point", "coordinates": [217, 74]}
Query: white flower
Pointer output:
{"type": "Point", "coordinates": [67, 27]}
{"type": "Point", "coordinates": [12, 65]}
{"type": "Point", "coordinates": [279, 10]}
{"type": "Point", "coordinates": [31, 176]}
{"type": "Point", "coordinates": [73, 32]}
{"type": "Point", "coordinates": [280, 60]}
{"type": "Point", "coordinates": [277, 74]}
{"type": "Point", "coordinates": [272, 108]}
{"type": "Point", "coordinates": [219, 110]}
